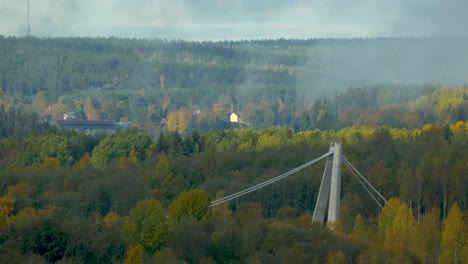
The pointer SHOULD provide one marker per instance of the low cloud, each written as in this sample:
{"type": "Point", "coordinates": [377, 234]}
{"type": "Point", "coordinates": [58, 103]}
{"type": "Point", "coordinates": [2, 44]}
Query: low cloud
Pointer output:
{"type": "Point", "coordinates": [219, 19]}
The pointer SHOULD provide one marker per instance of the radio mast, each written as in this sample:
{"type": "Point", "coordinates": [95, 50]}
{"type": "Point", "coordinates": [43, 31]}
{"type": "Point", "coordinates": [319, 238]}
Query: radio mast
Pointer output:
{"type": "Point", "coordinates": [28, 29]}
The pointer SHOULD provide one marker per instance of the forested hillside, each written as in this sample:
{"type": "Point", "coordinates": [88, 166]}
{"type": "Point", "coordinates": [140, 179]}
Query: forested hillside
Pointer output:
{"type": "Point", "coordinates": [108, 198]}
{"type": "Point", "coordinates": [399, 106]}
{"type": "Point", "coordinates": [63, 65]}
{"type": "Point", "coordinates": [302, 84]}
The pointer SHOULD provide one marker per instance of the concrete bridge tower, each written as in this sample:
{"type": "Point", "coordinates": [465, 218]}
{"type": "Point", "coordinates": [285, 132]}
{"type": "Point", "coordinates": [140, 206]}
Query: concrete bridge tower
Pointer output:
{"type": "Point", "coordinates": [329, 193]}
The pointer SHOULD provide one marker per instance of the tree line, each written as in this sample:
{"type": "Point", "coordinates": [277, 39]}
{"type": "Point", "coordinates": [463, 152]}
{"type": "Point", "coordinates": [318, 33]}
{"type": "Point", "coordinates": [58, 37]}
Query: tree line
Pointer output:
{"type": "Point", "coordinates": [396, 106]}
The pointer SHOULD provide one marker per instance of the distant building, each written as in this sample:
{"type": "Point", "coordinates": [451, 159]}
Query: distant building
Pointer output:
{"type": "Point", "coordinates": [234, 118]}
{"type": "Point", "coordinates": [69, 117]}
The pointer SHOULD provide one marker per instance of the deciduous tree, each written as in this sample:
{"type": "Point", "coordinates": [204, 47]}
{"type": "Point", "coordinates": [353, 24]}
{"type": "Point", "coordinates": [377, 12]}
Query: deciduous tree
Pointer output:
{"type": "Point", "coordinates": [401, 235]}
{"type": "Point", "coordinates": [454, 237]}
{"type": "Point", "coordinates": [146, 225]}
{"type": "Point", "coordinates": [190, 204]}
{"type": "Point", "coordinates": [134, 255]}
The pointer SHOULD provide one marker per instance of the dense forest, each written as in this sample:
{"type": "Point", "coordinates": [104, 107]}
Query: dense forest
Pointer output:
{"type": "Point", "coordinates": [64, 65]}
{"type": "Point", "coordinates": [300, 84]}
{"type": "Point", "coordinates": [117, 197]}
{"type": "Point", "coordinates": [142, 195]}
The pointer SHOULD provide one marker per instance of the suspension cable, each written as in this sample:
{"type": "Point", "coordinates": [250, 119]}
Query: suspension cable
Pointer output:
{"type": "Point", "coordinates": [363, 185]}
{"type": "Point", "coordinates": [363, 178]}
{"type": "Point", "coordinates": [270, 181]}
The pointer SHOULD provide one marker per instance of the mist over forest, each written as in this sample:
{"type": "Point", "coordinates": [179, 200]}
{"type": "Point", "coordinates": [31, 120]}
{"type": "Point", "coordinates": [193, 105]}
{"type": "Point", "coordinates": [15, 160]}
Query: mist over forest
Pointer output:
{"type": "Point", "coordinates": [314, 67]}
{"type": "Point", "coordinates": [141, 194]}
{"type": "Point", "coordinates": [301, 84]}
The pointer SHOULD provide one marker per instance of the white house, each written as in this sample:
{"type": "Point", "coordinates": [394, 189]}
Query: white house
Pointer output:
{"type": "Point", "coordinates": [234, 118]}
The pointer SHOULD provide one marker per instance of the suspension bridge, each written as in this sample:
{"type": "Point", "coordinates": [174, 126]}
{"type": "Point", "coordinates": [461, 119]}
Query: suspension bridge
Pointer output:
{"type": "Point", "coordinates": [328, 201]}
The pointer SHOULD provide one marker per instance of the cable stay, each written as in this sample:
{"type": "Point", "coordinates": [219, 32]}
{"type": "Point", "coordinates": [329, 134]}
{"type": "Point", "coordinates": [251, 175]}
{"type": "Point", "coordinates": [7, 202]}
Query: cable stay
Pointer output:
{"type": "Point", "coordinates": [329, 194]}
{"type": "Point", "coordinates": [268, 182]}
{"type": "Point", "coordinates": [363, 180]}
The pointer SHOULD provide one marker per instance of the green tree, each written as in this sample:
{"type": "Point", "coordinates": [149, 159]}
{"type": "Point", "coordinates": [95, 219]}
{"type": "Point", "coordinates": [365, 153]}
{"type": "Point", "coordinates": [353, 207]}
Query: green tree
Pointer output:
{"type": "Point", "coordinates": [159, 182]}
{"type": "Point", "coordinates": [57, 110]}
{"type": "Point", "coordinates": [50, 241]}
{"type": "Point", "coordinates": [146, 225]}
{"type": "Point", "coordinates": [190, 204]}
{"type": "Point", "coordinates": [120, 145]}
{"type": "Point", "coordinates": [41, 103]}
{"type": "Point", "coordinates": [189, 240]}
{"type": "Point", "coordinates": [226, 243]}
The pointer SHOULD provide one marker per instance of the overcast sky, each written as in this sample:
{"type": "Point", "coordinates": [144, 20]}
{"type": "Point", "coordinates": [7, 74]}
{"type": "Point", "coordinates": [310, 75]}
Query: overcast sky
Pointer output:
{"type": "Point", "coordinates": [235, 19]}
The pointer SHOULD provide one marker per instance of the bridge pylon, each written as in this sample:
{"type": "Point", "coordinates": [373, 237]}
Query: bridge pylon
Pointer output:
{"type": "Point", "coordinates": [329, 193]}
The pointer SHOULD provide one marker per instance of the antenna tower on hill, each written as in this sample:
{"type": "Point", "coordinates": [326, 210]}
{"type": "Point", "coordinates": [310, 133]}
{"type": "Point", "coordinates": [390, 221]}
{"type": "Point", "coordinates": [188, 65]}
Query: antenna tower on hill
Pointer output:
{"type": "Point", "coordinates": [28, 29]}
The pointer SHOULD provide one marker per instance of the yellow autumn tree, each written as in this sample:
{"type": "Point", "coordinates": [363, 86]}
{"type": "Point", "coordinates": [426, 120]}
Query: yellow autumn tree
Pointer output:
{"type": "Point", "coordinates": [21, 193]}
{"type": "Point", "coordinates": [172, 120]}
{"type": "Point", "coordinates": [337, 257]}
{"type": "Point", "coordinates": [49, 163]}
{"type": "Point", "coordinates": [428, 236]}
{"type": "Point", "coordinates": [184, 120]}
{"type": "Point", "coordinates": [90, 111]}
{"type": "Point", "coordinates": [165, 102]}
{"type": "Point", "coordinates": [134, 254]}
{"type": "Point", "coordinates": [400, 237]}
{"type": "Point", "coordinates": [28, 215]}
{"type": "Point", "coordinates": [57, 110]}
{"type": "Point", "coordinates": [132, 156]}
{"type": "Point", "coordinates": [387, 215]}
{"type": "Point", "coordinates": [83, 162]}
{"type": "Point", "coordinates": [112, 218]}
{"type": "Point", "coordinates": [179, 120]}
{"type": "Point", "coordinates": [192, 204]}
{"type": "Point", "coordinates": [222, 209]}
{"type": "Point", "coordinates": [6, 207]}
{"type": "Point", "coordinates": [166, 255]}
{"type": "Point", "coordinates": [454, 237]}
{"type": "Point", "coordinates": [362, 233]}
{"type": "Point", "coordinates": [365, 235]}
